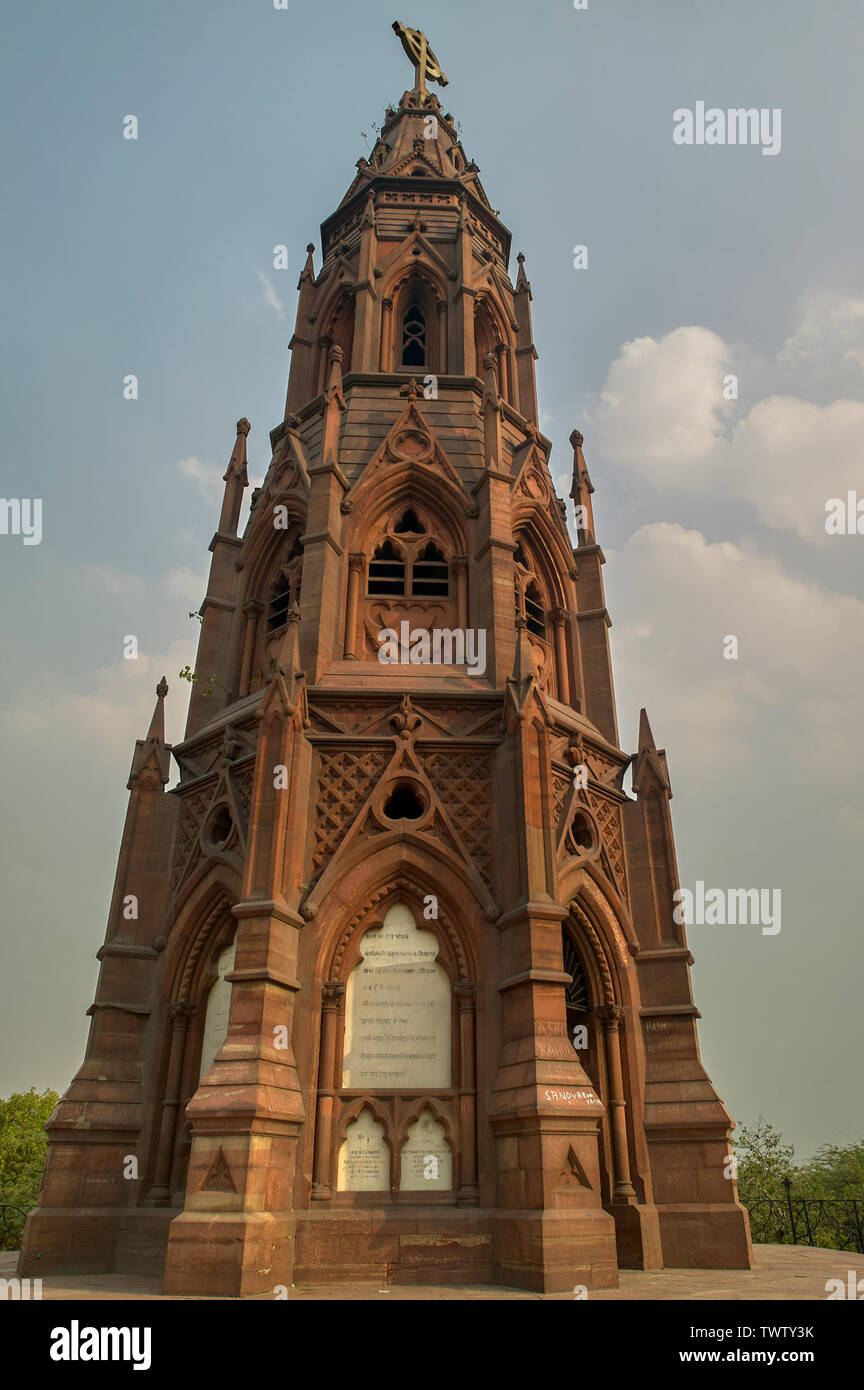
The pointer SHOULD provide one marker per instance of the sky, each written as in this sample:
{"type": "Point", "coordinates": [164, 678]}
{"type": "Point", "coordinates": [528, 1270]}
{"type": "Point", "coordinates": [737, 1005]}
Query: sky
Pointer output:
{"type": "Point", "coordinates": [154, 257]}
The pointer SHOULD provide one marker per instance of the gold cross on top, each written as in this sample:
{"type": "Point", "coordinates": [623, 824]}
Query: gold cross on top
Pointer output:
{"type": "Point", "coordinates": [416, 45]}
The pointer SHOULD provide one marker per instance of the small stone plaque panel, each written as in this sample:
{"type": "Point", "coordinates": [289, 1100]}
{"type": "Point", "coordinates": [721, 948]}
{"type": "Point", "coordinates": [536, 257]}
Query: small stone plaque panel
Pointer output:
{"type": "Point", "coordinates": [364, 1159]}
{"type": "Point", "coordinates": [397, 1010]}
{"type": "Point", "coordinates": [427, 1164]}
{"type": "Point", "coordinates": [218, 1009]}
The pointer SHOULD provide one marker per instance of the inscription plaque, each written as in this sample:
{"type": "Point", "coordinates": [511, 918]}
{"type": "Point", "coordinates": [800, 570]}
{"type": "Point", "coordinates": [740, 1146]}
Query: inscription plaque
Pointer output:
{"type": "Point", "coordinates": [397, 1010]}
{"type": "Point", "coordinates": [364, 1159]}
{"type": "Point", "coordinates": [427, 1164]}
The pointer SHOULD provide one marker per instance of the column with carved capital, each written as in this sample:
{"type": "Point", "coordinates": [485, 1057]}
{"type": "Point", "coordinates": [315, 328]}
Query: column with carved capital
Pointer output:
{"type": "Point", "coordinates": [356, 565]}
{"type": "Point", "coordinates": [332, 994]}
{"type": "Point", "coordinates": [559, 619]}
{"type": "Point", "coordinates": [386, 334]}
{"type": "Point", "coordinates": [441, 306]}
{"type": "Point", "coordinates": [251, 613]}
{"type": "Point", "coordinates": [465, 996]}
{"type": "Point", "coordinates": [460, 573]}
{"type": "Point", "coordinates": [612, 1016]}
{"type": "Point", "coordinates": [179, 1014]}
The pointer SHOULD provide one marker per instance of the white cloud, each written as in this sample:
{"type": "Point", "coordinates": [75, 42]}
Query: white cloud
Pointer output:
{"type": "Point", "coordinates": [788, 457]}
{"type": "Point", "coordinates": [662, 420]}
{"type": "Point", "coordinates": [270, 295]}
{"type": "Point", "coordinates": [206, 474]}
{"type": "Point", "coordinates": [105, 721]}
{"type": "Point", "coordinates": [830, 327]}
{"type": "Point", "coordinates": [185, 583]}
{"type": "Point", "coordinates": [796, 683]}
{"type": "Point", "coordinates": [662, 406]}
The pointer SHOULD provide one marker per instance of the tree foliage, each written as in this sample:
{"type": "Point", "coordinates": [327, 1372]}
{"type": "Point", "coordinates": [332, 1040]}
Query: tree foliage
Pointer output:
{"type": "Point", "coordinates": [22, 1157]}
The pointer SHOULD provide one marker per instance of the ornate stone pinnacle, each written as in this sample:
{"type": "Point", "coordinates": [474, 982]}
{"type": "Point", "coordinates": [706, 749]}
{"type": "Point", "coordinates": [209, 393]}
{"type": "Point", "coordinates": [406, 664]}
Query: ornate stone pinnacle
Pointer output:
{"type": "Point", "coordinates": [162, 689]}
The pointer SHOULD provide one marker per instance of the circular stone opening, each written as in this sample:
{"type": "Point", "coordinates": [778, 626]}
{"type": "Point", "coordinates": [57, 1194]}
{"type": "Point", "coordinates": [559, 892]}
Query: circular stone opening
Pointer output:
{"type": "Point", "coordinates": [582, 831]}
{"type": "Point", "coordinates": [403, 803]}
{"type": "Point", "coordinates": [219, 827]}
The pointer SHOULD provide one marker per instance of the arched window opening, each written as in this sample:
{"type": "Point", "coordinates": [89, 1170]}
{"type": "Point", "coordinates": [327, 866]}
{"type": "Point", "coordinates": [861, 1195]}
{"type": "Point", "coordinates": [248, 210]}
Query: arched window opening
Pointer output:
{"type": "Point", "coordinates": [409, 524]}
{"type": "Point", "coordinates": [535, 616]}
{"type": "Point", "coordinates": [414, 337]}
{"type": "Point", "coordinates": [576, 998]}
{"type": "Point", "coordinates": [387, 571]}
{"type": "Point", "coordinates": [429, 573]}
{"type": "Point", "coordinates": [286, 591]}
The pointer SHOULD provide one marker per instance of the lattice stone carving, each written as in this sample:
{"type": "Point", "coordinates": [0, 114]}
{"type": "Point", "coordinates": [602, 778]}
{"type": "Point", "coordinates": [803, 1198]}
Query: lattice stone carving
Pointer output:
{"type": "Point", "coordinates": [461, 781]}
{"type": "Point", "coordinates": [345, 779]}
{"type": "Point", "coordinates": [561, 784]}
{"type": "Point", "coordinates": [192, 813]}
{"type": "Point", "coordinates": [608, 817]}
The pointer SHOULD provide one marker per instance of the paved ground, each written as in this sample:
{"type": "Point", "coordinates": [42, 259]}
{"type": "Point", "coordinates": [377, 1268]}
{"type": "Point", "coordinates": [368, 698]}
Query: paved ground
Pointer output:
{"type": "Point", "coordinates": [781, 1272]}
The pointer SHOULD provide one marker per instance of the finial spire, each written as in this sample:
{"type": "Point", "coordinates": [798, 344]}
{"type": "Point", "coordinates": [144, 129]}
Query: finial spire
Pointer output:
{"type": "Point", "coordinates": [416, 45]}
{"type": "Point", "coordinates": [236, 480]}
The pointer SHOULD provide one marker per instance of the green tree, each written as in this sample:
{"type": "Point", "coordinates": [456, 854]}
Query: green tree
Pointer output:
{"type": "Point", "coordinates": [835, 1172]}
{"type": "Point", "coordinates": [22, 1156]}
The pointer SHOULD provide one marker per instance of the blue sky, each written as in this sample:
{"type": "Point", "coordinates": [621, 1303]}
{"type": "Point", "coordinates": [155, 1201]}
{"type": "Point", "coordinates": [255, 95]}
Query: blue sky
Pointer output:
{"type": "Point", "coordinates": [155, 257]}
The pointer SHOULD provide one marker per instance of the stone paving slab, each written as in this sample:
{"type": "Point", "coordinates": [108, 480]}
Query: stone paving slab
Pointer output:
{"type": "Point", "coordinates": [780, 1273]}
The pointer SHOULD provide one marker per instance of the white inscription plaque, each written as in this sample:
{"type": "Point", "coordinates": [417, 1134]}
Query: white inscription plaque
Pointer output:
{"type": "Point", "coordinates": [427, 1164]}
{"type": "Point", "coordinates": [364, 1159]}
{"type": "Point", "coordinates": [397, 1010]}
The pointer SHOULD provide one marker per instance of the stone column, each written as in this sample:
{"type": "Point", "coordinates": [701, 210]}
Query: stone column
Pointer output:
{"type": "Point", "coordinates": [332, 994]}
{"type": "Point", "coordinates": [611, 1016]}
{"type": "Point", "coordinates": [460, 573]}
{"type": "Point", "coordinates": [179, 1015]}
{"type": "Point", "coordinates": [251, 613]}
{"type": "Point", "coordinates": [356, 564]}
{"type": "Point", "coordinates": [441, 306]}
{"type": "Point", "coordinates": [386, 333]}
{"type": "Point", "coordinates": [559, 619]}
{"type": "Point", "coordinates": [465, 995]}
{"type": "Point", "coordinates": [503, 383]}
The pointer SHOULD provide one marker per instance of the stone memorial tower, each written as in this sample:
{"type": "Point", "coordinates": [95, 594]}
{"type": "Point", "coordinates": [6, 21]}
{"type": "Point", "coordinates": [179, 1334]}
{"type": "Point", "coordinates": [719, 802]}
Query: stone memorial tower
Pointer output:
{"type": "Point", "coordinates": [391, 987]}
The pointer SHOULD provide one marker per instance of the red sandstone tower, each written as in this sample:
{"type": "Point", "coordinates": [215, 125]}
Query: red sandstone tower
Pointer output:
{"type": "Point", "coordinates": [349, 953]}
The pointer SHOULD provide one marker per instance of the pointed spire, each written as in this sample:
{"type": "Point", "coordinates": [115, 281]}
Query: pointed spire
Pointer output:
{"type": "Point", "coordinates": [308, 271]}
{"type": "Point", "coordinates": [157, 723]}
{"type": "Point", "coordinates": [650, 772]}
{"type": "Point", "coordinates": [288, 658]}
{"type": "Point", "coordinates": [236, 480]}
{"type": "Point", "coordinates": [581, 493]}
{"type": "Point", "coordinates": [152, 753]}
{"type": "Point", "coordinates": [333, 406]}
{"type": "Point", "coordinates": [490, 370]}
{"type": "Point", "coordinates": [522, 282]}
{"type": "Point", "coordinates": [524, 666]}
{"type": "Point", "coordinates": [646, 738]}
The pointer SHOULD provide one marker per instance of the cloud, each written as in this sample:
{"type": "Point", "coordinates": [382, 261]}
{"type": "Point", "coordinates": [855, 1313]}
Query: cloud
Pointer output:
{"type": "Point", "coordinates": [106, 720]}
{"type": "Point", "coordinates": [788, 457]}
{"type": "Point", "coordinates": [185, 583]}
{"type": "Point", "coordinates": [270, 295]}
{"type": "Point", "coordinates": [662, 405]}
{"type": "Point", "coordinates": [830, 327]}
{"type": "Point", "coordinates": [796, 683]}
{"type": "Point", "coordinates": [206, 474]}
{"type": "Point", "coordinates": [662, 421]}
